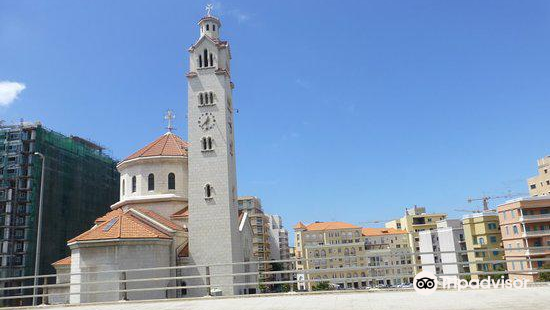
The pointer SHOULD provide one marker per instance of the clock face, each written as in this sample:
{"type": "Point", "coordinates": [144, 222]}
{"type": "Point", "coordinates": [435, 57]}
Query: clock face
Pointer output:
{"type": "Point", "coordinates": [207, 121]}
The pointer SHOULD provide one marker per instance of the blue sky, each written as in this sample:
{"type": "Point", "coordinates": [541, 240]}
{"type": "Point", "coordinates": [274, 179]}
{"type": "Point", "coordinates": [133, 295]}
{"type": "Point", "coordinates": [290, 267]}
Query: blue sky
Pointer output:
{"type": "Point", "coordinates": [348, 111]}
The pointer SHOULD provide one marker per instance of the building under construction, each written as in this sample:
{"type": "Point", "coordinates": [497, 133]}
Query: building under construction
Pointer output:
{"type": "Point", "coordinates": [80, 183]}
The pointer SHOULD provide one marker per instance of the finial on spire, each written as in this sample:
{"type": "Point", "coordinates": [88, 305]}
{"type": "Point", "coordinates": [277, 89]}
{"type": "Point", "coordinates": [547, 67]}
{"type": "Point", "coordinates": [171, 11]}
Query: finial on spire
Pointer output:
{"type": "Point", "coordinates": [169, 116]}
{"type": "Point", "coordinates": [209, 8]}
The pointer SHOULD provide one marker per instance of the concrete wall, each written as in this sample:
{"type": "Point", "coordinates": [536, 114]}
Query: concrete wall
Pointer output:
{"type": "Point", "coordinates": [119, 256]}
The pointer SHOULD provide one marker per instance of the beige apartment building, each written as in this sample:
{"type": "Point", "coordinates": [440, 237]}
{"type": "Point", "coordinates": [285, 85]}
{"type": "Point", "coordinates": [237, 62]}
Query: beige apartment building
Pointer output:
{"type": "Point", "coordinates": [525, 223]}
{"type": "Point", "coordinates": [482, 232]}
{"type": "Point", "coordinates": [415, 221]}
{"type": "Point", "coordinates": [260, 229]}
{"type": "Point", "coordinates": [540, 185]}
{"type": "Point", "coordinates": [344, 254]}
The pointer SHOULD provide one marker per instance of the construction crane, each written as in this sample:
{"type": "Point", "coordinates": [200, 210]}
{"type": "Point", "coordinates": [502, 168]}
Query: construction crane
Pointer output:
{"type": "Point", "coordinates": [485, 199]}
{"type": "Point", "coordinates": [472, 211]}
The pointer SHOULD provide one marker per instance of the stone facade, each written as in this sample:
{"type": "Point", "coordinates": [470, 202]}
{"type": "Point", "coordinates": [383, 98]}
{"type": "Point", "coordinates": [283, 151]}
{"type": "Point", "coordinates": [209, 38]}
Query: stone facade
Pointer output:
{"type": "Point", "coordinates": [213, 211]}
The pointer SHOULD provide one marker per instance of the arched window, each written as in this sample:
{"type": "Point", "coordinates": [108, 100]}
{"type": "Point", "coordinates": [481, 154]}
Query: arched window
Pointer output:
{"type": "Point", "coordinates": [211, 60]}
{"type": "Point", "coordinates": [201, 99]}
{"type": "Point", "coordinates": [151, 182]}
{"type": "Point", "coordinates": [200, 61]}
{"type": "Point", "coordinates": [207, 27]}
{"type": "Point", "coordinates": [207, 191]}
{"type": "Point", "coordinates": [171, 181]}
{"type": "Point", "coordinates": [205, 58]}
{"type": "Point", "coordinates": [213, 27]}
{"type": "Point", "coordinates": [206, 144]}
{"type": "Point", "coordinates": [123, 187]}
{"type": "Point", "coordinates": [211, 97]}
{"type": "Point", "coordinates": [134, 185]}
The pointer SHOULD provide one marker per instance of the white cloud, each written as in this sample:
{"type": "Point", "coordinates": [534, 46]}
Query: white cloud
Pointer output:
{"type": "Point", "coordinates": [9, 92]}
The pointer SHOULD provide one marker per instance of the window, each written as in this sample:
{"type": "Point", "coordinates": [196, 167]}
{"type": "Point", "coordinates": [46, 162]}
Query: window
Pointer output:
{"type": "Point", "coordinates": [532, 186]}
{"type": "Point", "coordinates": [481, 241]}
{"type": "Point", "coordinates": [171, 181]}
{"type": "Point", "coordinates": [123, 187]}
{"type": "Point", "coordinates": [515, 228]}
{"type": "Point", "coordinates": [205, 57]}
{"type": "Point", "coordinates": [200, 61]}
{"type": "Point", "coordinates": [201, 99]}
{"type": "Point", "coordinates": [134, 184]}
{"type": "Point", "coordinates": [493, 239]}
{"type": "Point", "coordinates": [206, 144]}
{"type": "Point", "coordinates": [213, 27]}
{"type": "Point", "coordinates": [208, 191]}
{"type": "Point", "coordinates": [207, 27]}
{"type": "Point", "coordinates": [211, 60]}
{"type": "Point", "coordinates": [151, 182]}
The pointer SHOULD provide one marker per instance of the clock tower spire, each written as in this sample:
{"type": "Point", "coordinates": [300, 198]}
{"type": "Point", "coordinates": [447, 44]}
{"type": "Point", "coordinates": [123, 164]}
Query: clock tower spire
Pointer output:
{"type": "Point", "coordinates": [214, 236]}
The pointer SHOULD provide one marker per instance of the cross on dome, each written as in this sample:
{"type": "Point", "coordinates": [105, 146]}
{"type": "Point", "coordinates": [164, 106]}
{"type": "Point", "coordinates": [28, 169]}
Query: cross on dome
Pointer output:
{"type": "Point", "coordinates": [209, 8]}
{"type": "Point", "coordinates": [169, 116]}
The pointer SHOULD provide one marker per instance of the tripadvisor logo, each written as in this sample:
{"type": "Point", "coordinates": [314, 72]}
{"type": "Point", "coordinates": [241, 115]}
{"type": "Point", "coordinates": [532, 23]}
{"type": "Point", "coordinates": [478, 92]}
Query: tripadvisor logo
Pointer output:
{"type": "Point", "coordinates": [425, 283]}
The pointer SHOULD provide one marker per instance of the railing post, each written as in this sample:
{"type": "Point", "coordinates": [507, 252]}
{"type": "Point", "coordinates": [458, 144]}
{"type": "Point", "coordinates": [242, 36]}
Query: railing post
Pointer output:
{"type": "Point", "coordinates": [124, 293]}
{"type": "Point", "coordinates": [208, 280]}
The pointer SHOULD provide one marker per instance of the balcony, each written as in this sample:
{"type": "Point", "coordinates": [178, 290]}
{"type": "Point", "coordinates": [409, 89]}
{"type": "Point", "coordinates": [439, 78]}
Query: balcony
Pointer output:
{"type": "Point", "coordinates": [535, 218]}
{"type": "Point", "coordinates": [536, 233]}
{"type": "Point", "coordinates": [534, 251]}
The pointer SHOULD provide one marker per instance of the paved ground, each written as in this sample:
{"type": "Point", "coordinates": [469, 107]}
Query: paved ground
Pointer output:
{"type": "Point", "coordinates": [533, 298]}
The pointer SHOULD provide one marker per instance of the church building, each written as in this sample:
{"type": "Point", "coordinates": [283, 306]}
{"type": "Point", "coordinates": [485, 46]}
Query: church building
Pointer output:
{"type": "Point", "coordinates": [178, 204]}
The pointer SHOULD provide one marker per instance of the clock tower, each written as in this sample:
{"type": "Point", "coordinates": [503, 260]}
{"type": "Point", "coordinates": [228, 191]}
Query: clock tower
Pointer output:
{"type": "Point", "coordinates": [213, 213]}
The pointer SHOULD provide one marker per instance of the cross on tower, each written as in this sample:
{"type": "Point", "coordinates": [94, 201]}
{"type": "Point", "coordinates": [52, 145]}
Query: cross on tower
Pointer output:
{"type": "Point", "coordinates": [209, 8]}
{"type": "Point", "coordinates": [169, 117]}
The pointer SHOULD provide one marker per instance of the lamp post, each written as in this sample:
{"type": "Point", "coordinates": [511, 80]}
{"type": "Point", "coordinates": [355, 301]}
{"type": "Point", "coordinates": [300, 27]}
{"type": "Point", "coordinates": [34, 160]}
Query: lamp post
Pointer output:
{"type": "Point", "coordinates": [39, 233]}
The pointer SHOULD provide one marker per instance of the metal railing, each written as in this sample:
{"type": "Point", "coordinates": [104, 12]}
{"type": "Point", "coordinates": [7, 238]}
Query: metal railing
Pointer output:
{"type": "Point", "coordinates": [365, 270]}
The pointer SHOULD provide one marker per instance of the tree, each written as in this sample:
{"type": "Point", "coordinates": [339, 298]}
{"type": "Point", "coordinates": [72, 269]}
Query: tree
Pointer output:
{"type": "Point", "coordinates": [321, 286]}
{"type": "Point", "coordinates": [545, 276]}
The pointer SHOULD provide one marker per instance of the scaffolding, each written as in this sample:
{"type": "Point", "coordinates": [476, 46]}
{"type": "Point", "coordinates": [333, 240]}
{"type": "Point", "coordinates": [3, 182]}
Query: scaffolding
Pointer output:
{"type": "Point", "coordinates": [80, 184]}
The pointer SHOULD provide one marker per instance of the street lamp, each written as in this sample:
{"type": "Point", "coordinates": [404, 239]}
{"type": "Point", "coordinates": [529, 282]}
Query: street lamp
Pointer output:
{"type": "Point", "coordinates": [39, 233]}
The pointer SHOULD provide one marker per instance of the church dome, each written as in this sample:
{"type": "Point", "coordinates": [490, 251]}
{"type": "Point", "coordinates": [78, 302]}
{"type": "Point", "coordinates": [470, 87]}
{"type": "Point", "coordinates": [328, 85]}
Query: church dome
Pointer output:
{"type": "Point", "coordinates": [157, 172]}
{"type": "Point", "coordinates": [168, 144]}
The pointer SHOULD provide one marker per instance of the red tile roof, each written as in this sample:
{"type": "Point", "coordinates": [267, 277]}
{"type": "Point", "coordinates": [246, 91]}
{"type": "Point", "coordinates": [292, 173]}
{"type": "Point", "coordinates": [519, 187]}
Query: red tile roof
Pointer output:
{"type": "Point", "coordinates": [159, 218]}
{"type": "Point", "coordinates": [382, 231]}
{"type": "Point", "coordinates": [183, 213]}
{"type": "Point", "coordinates": [329, 226]}
{"type": "Point", "coordinates": [300, 225]}
{"type": "Point", "coordinates": [166, 145]}
{"type": "Point", "coordinates": [63, 261]}
{"type": "Point", "coordinates": [123, 225]}
{"type": "Point", "coordinates": [184, 251]}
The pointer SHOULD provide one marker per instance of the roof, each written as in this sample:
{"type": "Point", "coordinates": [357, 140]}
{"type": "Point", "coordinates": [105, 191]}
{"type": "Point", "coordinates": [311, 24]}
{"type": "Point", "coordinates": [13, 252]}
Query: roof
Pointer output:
{"type": "Point", "coordinates": [183, 213]}
{"type": "Point", "coordinates": [300, 225]}
{"type": "Point", "coordinates": [184, 251]}
{"type": "Point", "coordinates": [382, 231]}
{"type": "Point", "coordinates": [159, 218]}
{"type": "Point", "coordinates": [329, 226]}
{"type": "Point", "coordinates": [121, 225]}
{"type": "Point", "coordinates": [63, 262]}
{"type": "Point", "coordinates": [168, 144]}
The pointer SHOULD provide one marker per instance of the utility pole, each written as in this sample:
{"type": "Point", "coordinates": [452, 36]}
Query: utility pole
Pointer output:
{"type": "Point", "coordinates": [39, 230]}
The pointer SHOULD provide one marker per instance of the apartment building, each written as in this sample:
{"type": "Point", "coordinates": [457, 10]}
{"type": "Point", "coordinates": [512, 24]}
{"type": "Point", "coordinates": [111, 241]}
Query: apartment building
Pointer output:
{"type": "Point", "coordinates": [261, 248]}
{"type": "Point", "coordinates": [347, 255]}
{"type": "Point", "coordinates": [278, 240]}
{"type": "Point", "coordinates": [446, 242]}
{"type": "Point", "coordinates": [80, 182]}
{"type": "Point", "coordinates": [540, 185]}
{"type": "Point", "coordinates": [389, 249]}
{"type": "Point", "coordinates": [414, 221]}
{"type": "Point", "coordinates": [525, 223]}
{"type": "Point", "coordinates": [482, 232]}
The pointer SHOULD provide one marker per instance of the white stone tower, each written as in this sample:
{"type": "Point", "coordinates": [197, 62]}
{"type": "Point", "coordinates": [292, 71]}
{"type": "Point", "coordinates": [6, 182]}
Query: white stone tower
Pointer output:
{"type": "Point", "coordinates": [213, 212]}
